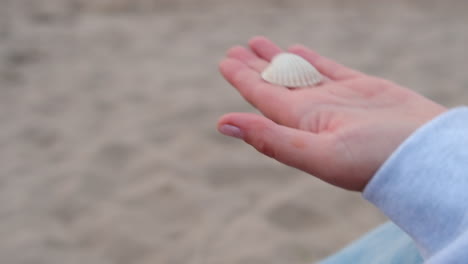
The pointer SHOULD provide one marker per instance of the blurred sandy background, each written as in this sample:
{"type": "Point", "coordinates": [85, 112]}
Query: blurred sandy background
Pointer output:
{"type": "Point", "coordinates": [108, 147]}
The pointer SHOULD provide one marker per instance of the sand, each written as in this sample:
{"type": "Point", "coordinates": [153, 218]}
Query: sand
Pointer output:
{"type": "Point", "coordinates": [108, 146]}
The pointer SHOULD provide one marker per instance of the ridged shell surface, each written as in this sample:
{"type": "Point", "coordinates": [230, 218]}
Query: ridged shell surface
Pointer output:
{"type": "Point", "coordinates": [291, 70]}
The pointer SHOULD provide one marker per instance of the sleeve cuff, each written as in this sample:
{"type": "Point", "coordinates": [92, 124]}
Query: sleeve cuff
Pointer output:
{"type": "Point", "coordinates": [423, 186]}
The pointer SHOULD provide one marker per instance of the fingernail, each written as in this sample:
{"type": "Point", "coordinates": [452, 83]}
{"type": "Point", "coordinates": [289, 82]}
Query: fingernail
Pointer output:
{"type": "Point", "coordinates": [232, 131]}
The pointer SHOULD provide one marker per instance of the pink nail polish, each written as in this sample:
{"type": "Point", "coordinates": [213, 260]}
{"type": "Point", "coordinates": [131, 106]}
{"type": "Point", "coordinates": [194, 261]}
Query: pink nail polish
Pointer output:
{"type": "Point", "coordinates": [232, 131]}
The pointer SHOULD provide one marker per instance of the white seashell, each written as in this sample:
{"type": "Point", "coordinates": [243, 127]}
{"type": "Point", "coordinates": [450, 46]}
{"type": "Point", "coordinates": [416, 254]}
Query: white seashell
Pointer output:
{"type": "Point", "coordinates": [291, 70]}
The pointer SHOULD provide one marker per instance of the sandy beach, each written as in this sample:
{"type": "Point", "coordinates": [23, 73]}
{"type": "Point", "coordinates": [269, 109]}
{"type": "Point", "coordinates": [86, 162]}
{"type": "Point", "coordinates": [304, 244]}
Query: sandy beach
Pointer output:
{"type": "Point", "coordinates": [108, 145]}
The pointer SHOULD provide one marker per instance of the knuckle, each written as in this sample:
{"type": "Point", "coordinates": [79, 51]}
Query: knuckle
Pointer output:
{"type": "Point", "coordinates": [260, 140]}
{"type": "Point", "coordinates": [265, 148]}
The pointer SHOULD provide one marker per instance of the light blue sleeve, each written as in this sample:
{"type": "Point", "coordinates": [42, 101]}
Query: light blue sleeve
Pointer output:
{"type": "Point", "coordinates": [423, 188]}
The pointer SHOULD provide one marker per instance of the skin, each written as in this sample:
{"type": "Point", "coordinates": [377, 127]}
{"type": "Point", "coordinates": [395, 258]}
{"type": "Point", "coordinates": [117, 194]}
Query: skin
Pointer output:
{"type": "Point", "coordinates": [340, 131]}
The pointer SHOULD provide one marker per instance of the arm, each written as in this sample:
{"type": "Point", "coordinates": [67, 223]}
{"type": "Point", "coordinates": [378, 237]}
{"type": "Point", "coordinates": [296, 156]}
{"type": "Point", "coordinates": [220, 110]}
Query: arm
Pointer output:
{"type": "Point", "coordinates": [423, 188]}
{"type": "Point", "coordinates": [344, 130]}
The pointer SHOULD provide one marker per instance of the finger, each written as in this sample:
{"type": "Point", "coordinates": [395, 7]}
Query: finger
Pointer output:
{"type": "Point", "coordinates": [300, 149]}
{"type": "Point", "coordinates": [273, 101]}
{"type": "Point", "coordinates": [248, 57]}
{"type": "Point", "coordinates": [324, 65]}
{"type": "Point", "coordinates": [264, 48]}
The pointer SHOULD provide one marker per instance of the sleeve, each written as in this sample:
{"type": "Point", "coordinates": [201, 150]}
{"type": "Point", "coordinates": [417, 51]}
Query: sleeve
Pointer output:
{"type": "Point", "coordinates": [423, 188]}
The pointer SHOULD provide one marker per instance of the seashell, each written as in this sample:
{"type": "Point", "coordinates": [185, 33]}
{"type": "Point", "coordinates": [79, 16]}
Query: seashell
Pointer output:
{"type": "Point", "coordinates": [291, 70]}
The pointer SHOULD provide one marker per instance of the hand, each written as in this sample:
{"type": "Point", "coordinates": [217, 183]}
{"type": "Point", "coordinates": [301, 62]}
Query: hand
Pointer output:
{"type": "Point", "coordinates": [340, 131]}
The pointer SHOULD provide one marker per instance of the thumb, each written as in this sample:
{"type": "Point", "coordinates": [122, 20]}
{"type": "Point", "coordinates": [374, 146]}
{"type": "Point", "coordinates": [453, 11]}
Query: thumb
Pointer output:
{"type": "Point", "coordinates": [293, 147]}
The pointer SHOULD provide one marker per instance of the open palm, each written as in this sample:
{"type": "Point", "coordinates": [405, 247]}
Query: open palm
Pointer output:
{"type": "Point", "coordinates": [341, 130]}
